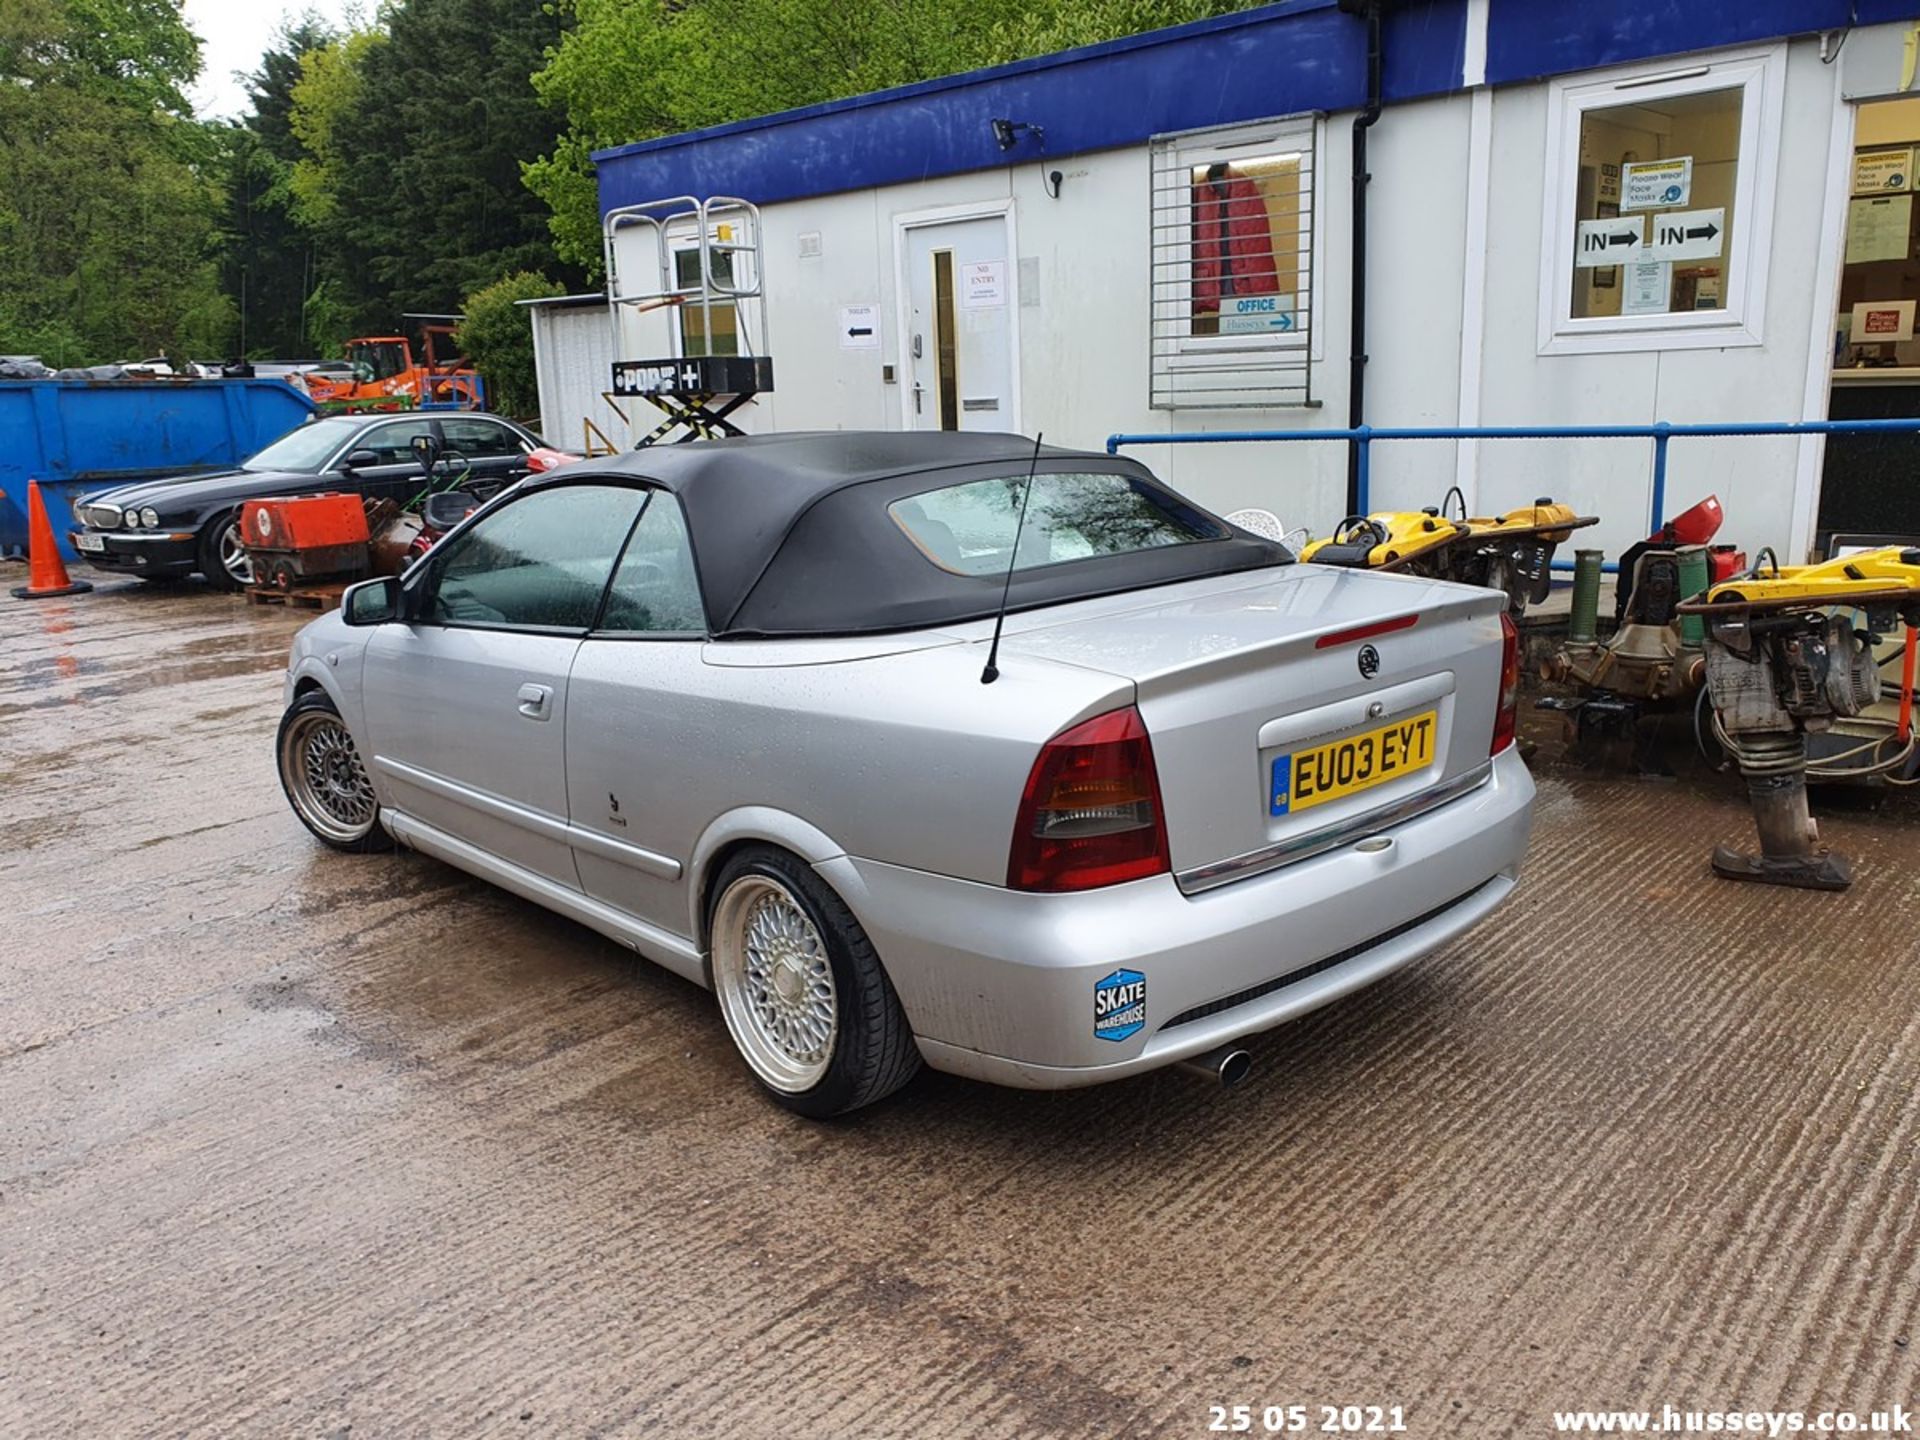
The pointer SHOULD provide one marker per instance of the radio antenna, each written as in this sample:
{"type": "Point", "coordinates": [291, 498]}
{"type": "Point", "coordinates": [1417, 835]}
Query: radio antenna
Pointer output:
{"type": "Point", "coordinates": [992, 672]}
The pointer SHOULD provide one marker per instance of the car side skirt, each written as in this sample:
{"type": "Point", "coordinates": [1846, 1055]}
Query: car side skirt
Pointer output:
{"type": "Point", "coordinates": [648, 862]}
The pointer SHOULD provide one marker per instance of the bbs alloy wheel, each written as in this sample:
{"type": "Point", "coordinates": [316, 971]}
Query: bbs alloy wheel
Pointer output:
{"type": "Point", "coordinates": [324, 779]}
{"type": "Point", "coordinates": [776, 983]}
{"type": "Point", "coordinates": [802, 992]}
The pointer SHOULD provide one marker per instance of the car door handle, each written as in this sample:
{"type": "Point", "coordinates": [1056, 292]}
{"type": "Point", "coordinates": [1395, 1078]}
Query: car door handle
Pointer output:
{"type": "Point", "coordinates": [536, 701]}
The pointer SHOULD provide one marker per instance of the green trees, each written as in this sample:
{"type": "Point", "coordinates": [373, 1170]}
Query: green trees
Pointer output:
{"type": "Point", "coordinates": [326, 99]}
{"type": "Point", "coordinates": [109, 189]}
{"type": "Point", "coordinates": [269, 262]}
{"type": "Point", "coordinates": [628, 71]}
{"type": "Point", "coordinates": [498, 337]}
{"type": "Point", "coordinates": [633, 69]}
{"type": "Point", "coordinates": [430, 202]}
{"type": "Point", "coordinates": [377, 170]}
{"type": "Point", "coordinates": [405, 163]}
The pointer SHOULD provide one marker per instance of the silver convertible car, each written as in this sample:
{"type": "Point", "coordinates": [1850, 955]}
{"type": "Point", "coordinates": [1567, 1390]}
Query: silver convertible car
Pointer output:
{"type": "Point", "coordinates": [738, 705]}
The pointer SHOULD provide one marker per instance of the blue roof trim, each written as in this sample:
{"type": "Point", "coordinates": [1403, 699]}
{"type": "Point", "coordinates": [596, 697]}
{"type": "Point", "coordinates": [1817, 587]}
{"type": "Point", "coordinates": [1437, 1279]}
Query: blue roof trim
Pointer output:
{"type": "Point", "coordinates": [1295, 56]}
{"type": "Point", "coordinates": [1424, 49]}
{"type": "Point", "coordinates": [1532, 39]}
{"type": "Point", "coordinates": [1299, 55]}
{"type": "Point", "coordinates": [1173, 34]}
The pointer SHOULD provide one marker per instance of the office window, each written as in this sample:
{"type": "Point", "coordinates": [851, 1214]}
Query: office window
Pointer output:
{"type": "Point", "coordinates": [1233, 266]}
{"type": "Point", "coordinates": [1660, 187]}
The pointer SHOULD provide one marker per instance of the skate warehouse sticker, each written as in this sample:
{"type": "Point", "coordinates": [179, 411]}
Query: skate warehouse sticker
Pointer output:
{"type": "Point", "coordinates": [1119, 1005]}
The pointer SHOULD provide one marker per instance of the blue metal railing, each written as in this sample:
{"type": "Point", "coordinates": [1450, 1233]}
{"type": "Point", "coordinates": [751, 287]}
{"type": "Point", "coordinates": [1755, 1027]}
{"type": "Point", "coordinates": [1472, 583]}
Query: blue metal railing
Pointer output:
{"type": "Point", "coordinates": [1661, 434]}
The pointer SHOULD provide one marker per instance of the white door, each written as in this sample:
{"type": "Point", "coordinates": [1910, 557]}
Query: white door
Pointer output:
{"type": "Point", "coordinates": [959, 360]}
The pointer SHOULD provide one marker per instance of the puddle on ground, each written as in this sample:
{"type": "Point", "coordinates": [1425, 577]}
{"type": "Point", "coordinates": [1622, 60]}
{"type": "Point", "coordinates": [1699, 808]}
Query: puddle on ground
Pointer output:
{"type": "Point", "coordinates": [44, 670]}
{"type": "Point", "coordinates": [225, 647]}
{"type": "Point", "coordinates": [154, 677]}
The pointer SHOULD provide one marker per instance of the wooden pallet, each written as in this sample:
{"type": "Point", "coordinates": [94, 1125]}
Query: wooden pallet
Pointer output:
{"type": "Point", "coordinates": [312, 597]}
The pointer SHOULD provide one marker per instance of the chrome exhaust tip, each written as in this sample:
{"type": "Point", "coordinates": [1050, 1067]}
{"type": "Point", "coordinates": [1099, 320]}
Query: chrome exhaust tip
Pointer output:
{"type": "Point", "coordinates": [1225, 1067]}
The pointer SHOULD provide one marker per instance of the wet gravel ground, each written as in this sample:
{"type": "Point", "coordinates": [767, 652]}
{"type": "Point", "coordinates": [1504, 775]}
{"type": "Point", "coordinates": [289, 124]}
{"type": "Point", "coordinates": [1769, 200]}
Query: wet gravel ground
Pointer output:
{"type": "Point", "coordinates": [299, 1144]}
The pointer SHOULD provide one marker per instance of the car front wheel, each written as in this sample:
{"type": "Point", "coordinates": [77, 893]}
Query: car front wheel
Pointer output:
{"type": "Point", "coordinates": [223, 558]}
{"type": "Point", "coordinates": [802, 992]}
{"type": "Point", "coordinates": [325, 782]}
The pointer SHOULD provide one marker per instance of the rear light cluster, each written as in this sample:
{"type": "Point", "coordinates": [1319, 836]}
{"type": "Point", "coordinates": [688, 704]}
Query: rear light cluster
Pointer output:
{"type": "Point", "coordinates": [1091, 814]}
{"type": "Point", "coordinates": [1505, 717]}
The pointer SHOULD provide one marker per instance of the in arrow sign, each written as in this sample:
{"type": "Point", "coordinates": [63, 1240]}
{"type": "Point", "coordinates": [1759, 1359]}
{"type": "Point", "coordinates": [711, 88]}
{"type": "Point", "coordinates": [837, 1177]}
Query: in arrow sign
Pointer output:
{"type": "Point", "coordinates": [1705, 232]}
{"type": "Point", "coordinates": [1624, 237]}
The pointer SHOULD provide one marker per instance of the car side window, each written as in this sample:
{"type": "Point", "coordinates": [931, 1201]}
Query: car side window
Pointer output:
{"type": "Point", "coordinates": [481, 439]}
{"type": "Point", "coordinates": [656, 589]}
{"type": "Point", "coordinates": [540, 561]}
{"type": "Point", "coordinates": [392, 442]}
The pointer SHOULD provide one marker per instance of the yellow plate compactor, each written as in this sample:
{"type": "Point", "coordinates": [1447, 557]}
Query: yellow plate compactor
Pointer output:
{"type": "Point", "coordinates": [1512, 553]}
{"type": "Point", "coordinates": [1792, 650]}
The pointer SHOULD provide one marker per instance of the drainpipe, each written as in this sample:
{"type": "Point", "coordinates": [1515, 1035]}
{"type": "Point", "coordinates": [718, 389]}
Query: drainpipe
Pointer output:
{"type": "Point", "coordinates": [1369, 11]}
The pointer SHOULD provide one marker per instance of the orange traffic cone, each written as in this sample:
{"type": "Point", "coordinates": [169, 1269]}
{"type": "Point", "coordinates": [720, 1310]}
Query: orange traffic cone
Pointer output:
{"type": "Point", "coordinates": [46, 572]}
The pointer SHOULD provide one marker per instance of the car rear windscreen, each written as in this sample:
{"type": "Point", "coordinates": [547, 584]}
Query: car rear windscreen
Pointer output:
{"type": "Point", "coordinates": [970, 528]}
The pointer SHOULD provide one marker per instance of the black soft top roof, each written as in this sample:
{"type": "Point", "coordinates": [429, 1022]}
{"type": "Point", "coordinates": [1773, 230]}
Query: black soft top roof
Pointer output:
{"type": "Point", "coordinates": [788, 541]}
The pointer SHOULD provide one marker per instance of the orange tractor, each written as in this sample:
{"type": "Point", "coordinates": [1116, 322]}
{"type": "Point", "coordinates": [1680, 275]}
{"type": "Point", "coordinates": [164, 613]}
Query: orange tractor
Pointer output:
{"type": "Point", "coordinates": [385, 376]}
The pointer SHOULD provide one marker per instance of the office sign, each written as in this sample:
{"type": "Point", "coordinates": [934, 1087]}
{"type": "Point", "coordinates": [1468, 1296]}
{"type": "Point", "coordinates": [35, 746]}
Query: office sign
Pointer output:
{"type": "Point", "coordinates": [1256, 314]}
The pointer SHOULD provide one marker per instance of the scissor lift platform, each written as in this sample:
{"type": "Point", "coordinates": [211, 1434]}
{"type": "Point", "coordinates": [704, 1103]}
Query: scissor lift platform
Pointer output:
{"type": "Point", "coordinates": [697, 394]}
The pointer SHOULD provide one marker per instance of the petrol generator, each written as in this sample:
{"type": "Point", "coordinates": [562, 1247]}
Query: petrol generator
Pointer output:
{"type": "Point", "coordinates": [304, 539]}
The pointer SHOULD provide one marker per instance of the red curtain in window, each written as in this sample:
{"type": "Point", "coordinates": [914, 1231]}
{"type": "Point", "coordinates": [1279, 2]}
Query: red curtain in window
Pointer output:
{"type": "Point", "coordinates": [1232, 241]}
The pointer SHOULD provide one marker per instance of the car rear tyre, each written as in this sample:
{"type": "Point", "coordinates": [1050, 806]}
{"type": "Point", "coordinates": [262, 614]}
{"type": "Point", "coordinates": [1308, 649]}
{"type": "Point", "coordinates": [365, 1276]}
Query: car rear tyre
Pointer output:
{"type": "Point", "coordinates": [802, 992]}
{"type": "Point", "coordinates": [325, 782]}
{"type": "Point", "coordinates": [223, 557]}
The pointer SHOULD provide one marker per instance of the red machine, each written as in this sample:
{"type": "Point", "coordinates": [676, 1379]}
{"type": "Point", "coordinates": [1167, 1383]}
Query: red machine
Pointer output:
{"type": "Point", "coordinates": [301, 539]}
{"type": "Point", "coordinates": [1724, 562]}
{"type": "Point", "coordinates": [1698, 526]}
{"type": "Point", "coordinates": [1692, 527]}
